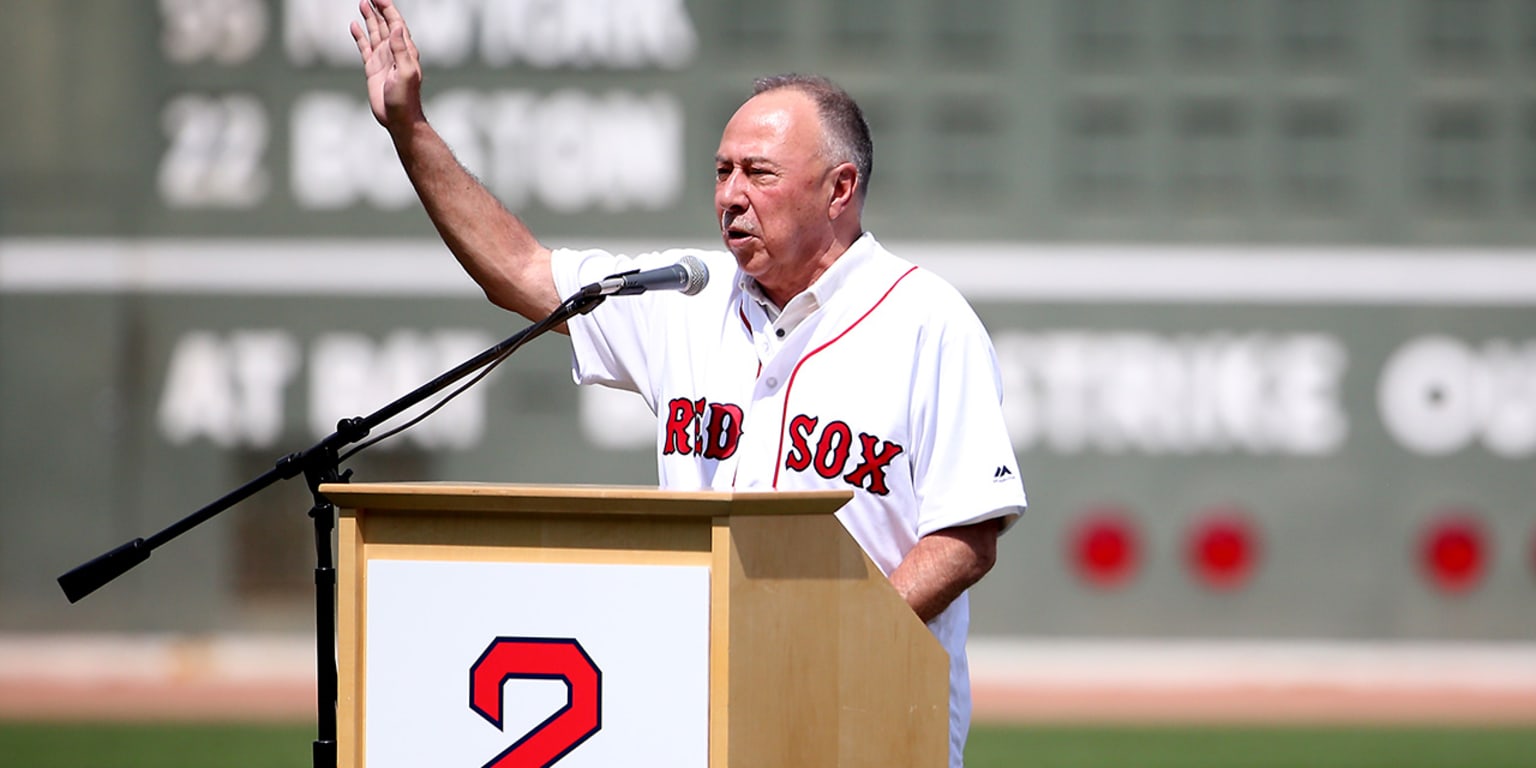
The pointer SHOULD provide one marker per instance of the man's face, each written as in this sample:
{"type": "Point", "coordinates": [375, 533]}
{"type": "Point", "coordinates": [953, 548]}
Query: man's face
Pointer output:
{"type": "Point", "coordinates": [772, 189]}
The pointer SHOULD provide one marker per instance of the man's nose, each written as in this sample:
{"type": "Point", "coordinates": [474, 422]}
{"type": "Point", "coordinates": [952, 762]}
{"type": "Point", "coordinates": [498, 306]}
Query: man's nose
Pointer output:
{"type": "Point", "coordinates": [729, 195]}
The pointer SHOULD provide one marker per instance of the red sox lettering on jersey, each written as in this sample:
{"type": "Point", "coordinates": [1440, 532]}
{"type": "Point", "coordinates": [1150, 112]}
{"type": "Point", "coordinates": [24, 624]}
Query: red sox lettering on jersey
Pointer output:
{"type": "Point", "coordinates": [713, 431]}
{"type": "Point", "coordinates": [699, 427]}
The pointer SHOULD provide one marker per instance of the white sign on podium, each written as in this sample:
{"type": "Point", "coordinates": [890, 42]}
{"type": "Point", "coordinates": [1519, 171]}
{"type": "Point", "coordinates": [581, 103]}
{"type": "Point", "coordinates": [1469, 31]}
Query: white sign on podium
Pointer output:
{"type": "Point", "coordinates": [524, 665]}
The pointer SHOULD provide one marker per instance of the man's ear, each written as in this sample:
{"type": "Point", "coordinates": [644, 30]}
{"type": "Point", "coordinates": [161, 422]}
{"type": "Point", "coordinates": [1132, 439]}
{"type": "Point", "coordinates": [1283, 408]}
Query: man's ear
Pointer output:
{"type": "Point", "coordinates": [844, 190]}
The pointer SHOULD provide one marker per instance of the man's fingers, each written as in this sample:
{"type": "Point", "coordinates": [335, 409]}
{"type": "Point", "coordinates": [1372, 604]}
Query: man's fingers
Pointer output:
{"type": "Point", "coordinates": [361, 38]}
{"type": "Point", "coordinates": [391, 14]}
{"type": "Point", "coordinates": [371, 18]}
{"type": "Point", "coordinates": [410, 45]}
{"type": "Point", "coordinates": [398, 45]}
{"type": "Point", "coordinates": [400, 42]}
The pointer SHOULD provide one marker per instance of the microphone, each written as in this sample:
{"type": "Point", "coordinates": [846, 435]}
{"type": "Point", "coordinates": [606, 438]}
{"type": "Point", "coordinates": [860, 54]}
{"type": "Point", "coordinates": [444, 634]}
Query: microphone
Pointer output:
{"type": "Point", "coordinates": [688, 275]}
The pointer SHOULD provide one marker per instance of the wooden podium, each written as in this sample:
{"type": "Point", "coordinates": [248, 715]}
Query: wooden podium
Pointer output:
{"type": "Point", "coordinates": [812, 657]}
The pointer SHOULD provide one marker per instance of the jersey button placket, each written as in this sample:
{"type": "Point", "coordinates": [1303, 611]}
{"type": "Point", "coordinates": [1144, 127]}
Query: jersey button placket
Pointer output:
{"type": "Point", "coordinates": [756, 460]}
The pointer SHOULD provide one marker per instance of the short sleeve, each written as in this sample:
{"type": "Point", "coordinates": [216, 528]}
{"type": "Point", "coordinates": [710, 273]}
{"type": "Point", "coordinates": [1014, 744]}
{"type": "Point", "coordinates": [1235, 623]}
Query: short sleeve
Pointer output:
{"type": "Point", "coordinates": [610, 344]}
{"type": "Point", "coordinates": [964, 467]}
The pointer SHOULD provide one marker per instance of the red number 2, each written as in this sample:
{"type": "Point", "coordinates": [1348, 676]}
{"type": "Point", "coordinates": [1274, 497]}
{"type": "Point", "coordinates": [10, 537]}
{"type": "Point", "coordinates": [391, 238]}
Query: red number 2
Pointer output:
{"type": "Point", "coordinates": [539, 658]}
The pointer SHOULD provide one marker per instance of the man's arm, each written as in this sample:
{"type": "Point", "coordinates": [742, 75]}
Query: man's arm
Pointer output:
{"type": "Point", "coordinates": [945, 563]}
{"type": "Point", "coordinates": [494, 246]}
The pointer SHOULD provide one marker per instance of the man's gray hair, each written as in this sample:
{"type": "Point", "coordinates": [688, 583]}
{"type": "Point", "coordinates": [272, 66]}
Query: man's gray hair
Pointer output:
{"type": "Point", "coordinates": [847, 134]}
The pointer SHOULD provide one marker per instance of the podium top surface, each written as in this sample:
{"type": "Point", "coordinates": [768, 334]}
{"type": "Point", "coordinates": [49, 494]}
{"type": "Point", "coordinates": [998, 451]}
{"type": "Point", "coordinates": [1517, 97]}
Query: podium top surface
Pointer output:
{"type": "Point", "coordinates": [579, 499]}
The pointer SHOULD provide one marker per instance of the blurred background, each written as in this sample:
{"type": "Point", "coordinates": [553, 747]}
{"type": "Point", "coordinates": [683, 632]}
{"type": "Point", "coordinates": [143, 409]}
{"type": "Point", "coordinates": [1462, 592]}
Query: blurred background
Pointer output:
{"type": "Point", "coordinates": [1258, 273]}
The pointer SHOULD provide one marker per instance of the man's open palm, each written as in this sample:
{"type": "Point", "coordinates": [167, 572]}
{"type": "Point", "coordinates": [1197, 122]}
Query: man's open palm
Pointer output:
{"type": "Point", "coordinates": [390, 63]}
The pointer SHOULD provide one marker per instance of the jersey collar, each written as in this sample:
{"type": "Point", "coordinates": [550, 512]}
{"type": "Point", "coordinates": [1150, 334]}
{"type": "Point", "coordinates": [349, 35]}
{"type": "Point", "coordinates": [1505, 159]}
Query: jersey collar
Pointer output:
{"type": "Point", "coordinates": [784, 320]}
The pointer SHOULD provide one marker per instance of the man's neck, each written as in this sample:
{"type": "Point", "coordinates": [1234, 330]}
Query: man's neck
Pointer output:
{"type": "Point", "coordinates": [780, 294]}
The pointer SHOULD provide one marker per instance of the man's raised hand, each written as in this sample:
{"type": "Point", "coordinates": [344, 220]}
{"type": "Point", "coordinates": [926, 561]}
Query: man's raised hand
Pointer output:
{"type": "Point", "coordinates": [390, 63]}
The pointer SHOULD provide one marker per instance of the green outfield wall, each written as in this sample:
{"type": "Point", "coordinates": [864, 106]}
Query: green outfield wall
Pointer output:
{"type": "Point", "coordinates": [1259, 275]}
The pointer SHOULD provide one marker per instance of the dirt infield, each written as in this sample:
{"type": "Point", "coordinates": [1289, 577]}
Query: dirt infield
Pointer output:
{"type": "Point", "coordinates": [249, 701]}
{"type": "Point", "coordinates": [40, 700]}
{"type": "Point", "coordinates": [187, 701]}
{"type": "Point", "coordinates": [272, 679]}
{"type": "Point", "coordinates": [1233, 682]}
{"type": "Point", "coordinates": [129, 677]}
{"type": "Point", "coordinates": [278, 702]}
{"type": "Point", "coordinates": [1237, 706]}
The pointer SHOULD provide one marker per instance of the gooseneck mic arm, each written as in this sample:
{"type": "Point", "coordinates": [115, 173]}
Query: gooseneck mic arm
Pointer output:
{"type": "Point", "coordinates": [320, 463]}
{"type": "Point", "coordinates": [92, 575]}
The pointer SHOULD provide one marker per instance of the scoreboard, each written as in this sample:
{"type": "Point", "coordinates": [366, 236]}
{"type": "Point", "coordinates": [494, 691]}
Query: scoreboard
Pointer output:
{"type": "Point", "coordinates": [1258, 274]}
{"type": "Point", "coordinates": [1301, 121]}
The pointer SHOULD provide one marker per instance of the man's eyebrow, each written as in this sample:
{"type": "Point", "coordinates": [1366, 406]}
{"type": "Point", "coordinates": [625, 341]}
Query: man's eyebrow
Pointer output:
{"type": "Point", "coordinates": [748, 160]}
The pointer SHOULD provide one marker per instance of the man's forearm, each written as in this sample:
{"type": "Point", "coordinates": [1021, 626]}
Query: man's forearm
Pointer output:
{"type": "Point", "coordinates": [493, 245]}
{"type": "Point", "coordinates": [944, 564]}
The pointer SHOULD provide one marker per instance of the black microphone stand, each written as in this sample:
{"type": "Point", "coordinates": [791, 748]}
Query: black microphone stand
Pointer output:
{"type": "Point", "coordinates": [320, 463]}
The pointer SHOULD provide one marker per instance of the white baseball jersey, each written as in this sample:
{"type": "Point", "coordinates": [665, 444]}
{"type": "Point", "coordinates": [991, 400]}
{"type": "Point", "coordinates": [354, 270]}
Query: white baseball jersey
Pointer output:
{"type": "Point", "coordinates": [879, 378]}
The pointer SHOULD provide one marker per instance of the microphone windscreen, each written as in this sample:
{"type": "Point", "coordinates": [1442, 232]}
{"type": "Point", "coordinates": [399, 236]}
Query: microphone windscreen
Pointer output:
{"type": "Point", "coordinates": [698, 274]}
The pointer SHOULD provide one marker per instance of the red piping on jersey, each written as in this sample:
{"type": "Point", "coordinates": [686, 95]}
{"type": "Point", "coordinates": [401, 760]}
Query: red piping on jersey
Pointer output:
{"type": "Point", "coordinates": [788, 385]}
{"type": "Point", "coordinates": [746, 324]}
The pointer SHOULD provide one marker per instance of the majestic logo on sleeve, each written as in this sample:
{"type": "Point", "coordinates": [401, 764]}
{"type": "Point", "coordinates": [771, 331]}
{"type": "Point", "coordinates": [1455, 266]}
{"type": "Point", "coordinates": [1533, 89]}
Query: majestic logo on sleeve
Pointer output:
{"type": "Point", "coordinates": [831, 451]}
{"type": "Point", "coordinates": [699, 427]}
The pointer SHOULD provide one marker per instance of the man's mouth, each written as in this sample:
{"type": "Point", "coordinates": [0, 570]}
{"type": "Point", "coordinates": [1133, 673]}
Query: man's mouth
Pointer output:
{"type": "Point", "coordinates": [733, 232]}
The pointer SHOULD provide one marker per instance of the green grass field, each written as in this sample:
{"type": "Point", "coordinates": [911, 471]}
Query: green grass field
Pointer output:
{"type": "Point", "coordinates": [25, 745]}
{"type": "Point", "coordinates": [1185, 747]}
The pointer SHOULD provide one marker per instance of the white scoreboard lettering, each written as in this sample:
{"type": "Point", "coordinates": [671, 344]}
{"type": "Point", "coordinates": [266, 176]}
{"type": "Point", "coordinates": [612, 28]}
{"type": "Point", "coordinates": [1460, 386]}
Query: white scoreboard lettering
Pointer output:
{"type": "Point", "coordinates": [1439, 394]}
{"type": "Point", "coordinates": [569, 150]}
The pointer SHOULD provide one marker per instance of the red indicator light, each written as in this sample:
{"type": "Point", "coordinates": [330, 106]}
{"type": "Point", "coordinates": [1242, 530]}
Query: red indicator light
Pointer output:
{"type": "Point", "coordinates": [1223, 547]}
{"type": "Point", "coordinates": [1105, 548]}
{"type": "Point", "coordinates": [1452, 552]}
